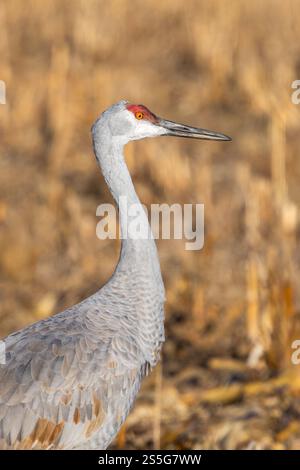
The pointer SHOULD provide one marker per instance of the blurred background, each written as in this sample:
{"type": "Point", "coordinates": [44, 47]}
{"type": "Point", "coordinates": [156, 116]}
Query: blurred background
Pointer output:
{"type": "Point", "coordinates": [226, 380]}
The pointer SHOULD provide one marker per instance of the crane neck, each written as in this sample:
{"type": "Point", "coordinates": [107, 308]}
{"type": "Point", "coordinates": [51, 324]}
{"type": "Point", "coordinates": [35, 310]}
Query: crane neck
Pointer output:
{"type": "Point", "coordinates": [137, 278]}
{"type": "Point", "coordinates": [110, 156]}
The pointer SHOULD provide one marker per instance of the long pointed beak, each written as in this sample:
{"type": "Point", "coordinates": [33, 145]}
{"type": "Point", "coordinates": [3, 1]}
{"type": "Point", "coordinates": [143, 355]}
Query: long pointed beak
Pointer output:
{"type": "Point", "coordinates": [181, 130]}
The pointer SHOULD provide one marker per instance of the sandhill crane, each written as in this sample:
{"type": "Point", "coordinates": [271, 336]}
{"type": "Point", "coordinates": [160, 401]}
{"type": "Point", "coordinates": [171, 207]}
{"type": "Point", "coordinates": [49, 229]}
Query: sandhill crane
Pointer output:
{"type": "Point", "coordinates": [70, 380]}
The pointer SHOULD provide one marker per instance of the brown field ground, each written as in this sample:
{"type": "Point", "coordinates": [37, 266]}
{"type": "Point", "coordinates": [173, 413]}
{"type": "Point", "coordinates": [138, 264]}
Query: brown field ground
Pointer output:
{"type": "Point", "coordinates": [226, 380]}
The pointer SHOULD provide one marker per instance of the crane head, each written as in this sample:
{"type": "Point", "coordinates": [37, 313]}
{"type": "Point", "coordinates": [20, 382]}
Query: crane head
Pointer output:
{"type": "Point", "coordinates": [155, 124]}
{"type": "Point", "coordinates": [134, 121]}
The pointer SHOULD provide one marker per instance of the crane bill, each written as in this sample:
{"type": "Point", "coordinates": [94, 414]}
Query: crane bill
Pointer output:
{"type": "Point", "coordinates": [182, 130]}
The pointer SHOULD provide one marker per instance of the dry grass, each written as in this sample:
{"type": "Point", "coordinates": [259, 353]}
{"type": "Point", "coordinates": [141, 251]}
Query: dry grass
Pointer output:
{"type": "Point", "coordinates": [233, 308]}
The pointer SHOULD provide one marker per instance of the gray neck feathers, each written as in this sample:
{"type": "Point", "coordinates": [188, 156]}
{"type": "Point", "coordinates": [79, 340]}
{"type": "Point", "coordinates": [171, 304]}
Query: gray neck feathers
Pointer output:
{"type": "Point", "coordinates": [136, 285]}
{"type": "Point", "coordinates": [109, 154]}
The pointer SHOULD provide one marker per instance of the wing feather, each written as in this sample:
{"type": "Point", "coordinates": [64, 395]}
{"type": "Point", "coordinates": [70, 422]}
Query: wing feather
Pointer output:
{"type": "Point", "coordinates": [56, 387]}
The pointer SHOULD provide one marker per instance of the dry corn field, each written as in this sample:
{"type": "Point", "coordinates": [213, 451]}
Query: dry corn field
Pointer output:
{"type": "Point", "coordinates": [226, 380]}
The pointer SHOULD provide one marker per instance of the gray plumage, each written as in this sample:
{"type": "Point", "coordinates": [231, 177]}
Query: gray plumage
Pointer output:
{"type": "Point", "coordinates": [69, 381]}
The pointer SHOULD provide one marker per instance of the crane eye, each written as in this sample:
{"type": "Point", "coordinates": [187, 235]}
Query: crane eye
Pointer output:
{"type": "Point", "coordinates": [139, 115]}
